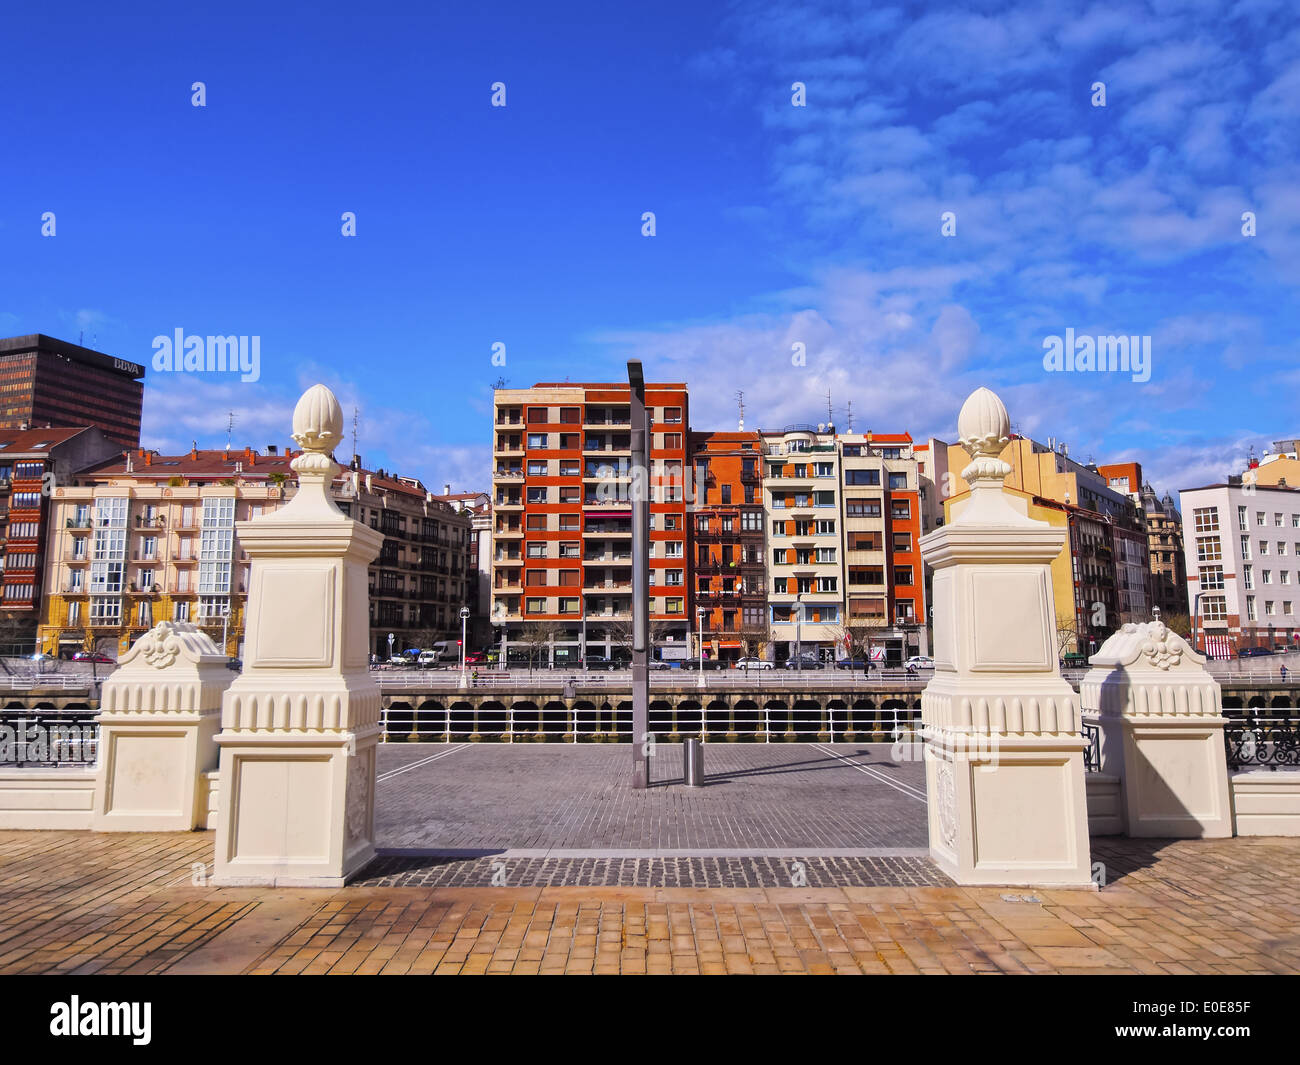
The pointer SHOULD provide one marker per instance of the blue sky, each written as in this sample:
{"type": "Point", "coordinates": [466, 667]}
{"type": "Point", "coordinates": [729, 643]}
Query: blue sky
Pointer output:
{"type": "Point", "coordinates": [776, 224]}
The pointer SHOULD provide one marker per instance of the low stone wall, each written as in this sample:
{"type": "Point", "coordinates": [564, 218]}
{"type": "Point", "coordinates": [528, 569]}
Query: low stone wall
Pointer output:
{"type": "Point", "coordinates": [210, 781]}
{"type": "Point", "coordinates": [1105, 804]}
{"type": "Point", "coordinates": [47, 798]}
{"type": "Point", "coordinates": [1266, 802]}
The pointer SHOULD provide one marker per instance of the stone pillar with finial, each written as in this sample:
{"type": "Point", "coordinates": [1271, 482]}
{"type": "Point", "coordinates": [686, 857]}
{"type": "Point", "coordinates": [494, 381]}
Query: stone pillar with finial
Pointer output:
{"type": "Point", "coordinates": [299, 726]}
{"type": "Point", "coordinates": [1004, 752]}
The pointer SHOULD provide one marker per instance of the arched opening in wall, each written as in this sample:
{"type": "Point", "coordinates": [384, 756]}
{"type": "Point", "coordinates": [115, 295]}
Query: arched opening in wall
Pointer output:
{"type": "Point", "coordinates": [525, 717]}
{"type": "Point", "coordinates": [688, 717]}
{"type": "Point", "coordinates": [555, 718]}
{"type": "Point", "coordinates": [1232, 702]}
{"type": "Point", "coordinates": [837, 717]}
{"type": "Point", "coordinates": [14, 704]}
{"type": "Point", "coordinates": [77, 706]}
{"type": "Point", "coordinates": [1281, 702]}
{"type": "Point", "coordinates": [747, 718]}
{"type": "Point", "coordinates": [584, 717]}
{"type": "Point", "coordinates": [462, 718]}
{"type": "Point", "coordinates": [399, 722]}
{"type": "Point", "coordinates": [862, 717]}
{"type": "Point", "coordinates": [894, 714]}
{"type": "Point", "coordinates": [430, 721]}
{"type": "Point", "coordinates": [493, 719]}
{"type": "Point", "coordinates": [809, 718]}
{"type": "Point", "coordinates": [778, 717]}
{"type": "Point", "coordinates": [623, 720]}
{"type": "Point", "coordinates": [660, 717]}
{"type": "Point", "coordinates": [717, 718]}
{"type": "Point", "coordinates": [1257, 702]}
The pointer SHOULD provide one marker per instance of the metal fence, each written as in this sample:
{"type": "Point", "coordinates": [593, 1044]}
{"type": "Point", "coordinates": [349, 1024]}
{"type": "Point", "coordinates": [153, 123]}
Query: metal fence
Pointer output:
{"type": "Point", "coordinates": [660, 680]}
{"type": "Point", "coordinates": [46, 682]}
{"type": "Point", "coordinates": [1263, 739]}
{"type": "Point", "coordinates": [598, 725]}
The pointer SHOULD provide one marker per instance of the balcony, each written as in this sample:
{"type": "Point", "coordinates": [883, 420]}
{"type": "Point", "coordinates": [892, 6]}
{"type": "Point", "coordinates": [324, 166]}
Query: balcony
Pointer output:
{"type": "Point", "coordinates": [609, 532]}
{"type": "Point", "coordinates": [509, 504]}
{"type": "Point", "coordinates": [144, 522]}
{"type": "Point", "coordinates": [609, 558]}
{"type": "Point", "coordinates": [79, 525]}
{"type": "Point", "coordinates": [512, 474]}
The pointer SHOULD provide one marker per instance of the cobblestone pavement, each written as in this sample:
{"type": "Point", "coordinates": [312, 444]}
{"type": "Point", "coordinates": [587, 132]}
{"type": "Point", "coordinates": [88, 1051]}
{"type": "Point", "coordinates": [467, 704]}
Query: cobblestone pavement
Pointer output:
{"type": "Point", "coordinates": [108, 903]}
{"type": "Point", "coordinates": [538, 796]}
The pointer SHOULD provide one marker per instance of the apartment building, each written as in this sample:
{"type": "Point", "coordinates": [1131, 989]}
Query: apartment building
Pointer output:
{"type": "Point", "coordinates": [33, 462]}
{"type": "Point", "coordinates": [725, 546]}
{"type": "Point", "coordinates": [425, 572]}
{"type": "Point", "coordinates": [882, 496]}
{"type": "Point", "coordinates": [1165, 550]}
{"type": "Point", "coordinates": [153, 537]}
{"type": "Point", "coordinates": [801, 495]}
{"type": "Point", "coordinates": [1106, 582]}
{"type": "Point", "coordinates": [478, 506]}
{"type": "Point", "coordinates": [1242, 556]}
{"type": "Point", "coordinates": [562, 504]}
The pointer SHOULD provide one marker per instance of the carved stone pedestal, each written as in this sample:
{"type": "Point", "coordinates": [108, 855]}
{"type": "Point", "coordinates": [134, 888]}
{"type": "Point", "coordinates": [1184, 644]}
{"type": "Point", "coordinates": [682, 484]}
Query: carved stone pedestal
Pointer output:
{"type": "Point", "coordinates": [1004, 754]}
{"type": "Point", "coordinates": [299, 727]}
{"type": "Point", "coordinates": [1161, 721]}
{"type": "Point", "coordinates": [157, 724]}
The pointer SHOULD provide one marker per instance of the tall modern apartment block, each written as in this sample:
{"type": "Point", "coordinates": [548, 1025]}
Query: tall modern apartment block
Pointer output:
{"type": "Point", "coordinates": [562, 507]}
{"type": "Point", "coordinates": [843, 520]}
{"type": "Point", "coordinates": [44, 381]}
{"type": "Point", "coordinates": [1243, 565]}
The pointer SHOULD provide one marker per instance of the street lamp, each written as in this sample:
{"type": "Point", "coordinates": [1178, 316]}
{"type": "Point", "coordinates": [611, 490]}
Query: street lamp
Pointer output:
{"type": "Point", "coordinates": [464, 617]}
{"type": "Point", "coordinates": [225, 630]}
{"type": "Point", "coordinates": [390, 646]}
{"type": "Point", "coordinates": [699, 613]}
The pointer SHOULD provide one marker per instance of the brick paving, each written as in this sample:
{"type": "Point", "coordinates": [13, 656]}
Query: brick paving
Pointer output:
{"type": "Point", "coordinates": [758, 796]}
{"type": "Point", "coordinates": [84, 903]}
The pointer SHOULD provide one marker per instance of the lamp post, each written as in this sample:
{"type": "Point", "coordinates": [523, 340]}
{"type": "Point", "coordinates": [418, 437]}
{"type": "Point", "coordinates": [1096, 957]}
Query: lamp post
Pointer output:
{"type": "Point", "coordinates": [1196, 622]}
{"type": "Point", "coordinates": [640, 577]}
{"type": "Point", "coordinates": [225, 630]}
{"type": "Point", "coordinates": [699, 613]}
{"type": "Point", "coordinates": [390, 647]}
{"type": "Point", "coordinates": [464, 617]}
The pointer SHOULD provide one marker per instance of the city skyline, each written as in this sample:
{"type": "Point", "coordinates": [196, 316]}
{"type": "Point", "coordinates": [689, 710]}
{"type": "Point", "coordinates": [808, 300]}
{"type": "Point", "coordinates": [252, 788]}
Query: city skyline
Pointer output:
{"type": "Point", "coordinates": [800, 166]}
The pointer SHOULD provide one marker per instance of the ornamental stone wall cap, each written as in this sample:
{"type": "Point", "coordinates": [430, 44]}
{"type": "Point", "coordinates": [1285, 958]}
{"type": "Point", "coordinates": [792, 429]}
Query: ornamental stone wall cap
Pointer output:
{"type": "Point", "coordinates": [983, 426]}
{"type": "Point", "coordinates": [1148, 646]}
{"type": "Point", "coordinates": [168, 643]}
{"type": "Point", "coordinates": [318, 420]}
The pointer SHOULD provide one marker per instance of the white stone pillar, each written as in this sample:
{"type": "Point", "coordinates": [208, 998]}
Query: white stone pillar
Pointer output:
{"type": "Point", "coordinates": [1161, 719]}
{"type": "Point", "coordinates": [300, 725]}
{"type": "Point", "coordinates": [1004, 754]}
{"type": "Point", "coordinates": [157, 728]}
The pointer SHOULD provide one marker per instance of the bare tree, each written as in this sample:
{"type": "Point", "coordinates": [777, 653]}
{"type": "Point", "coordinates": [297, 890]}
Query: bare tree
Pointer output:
{"type": "Point", "coordinates": [537, 636]}
{"type": "Point", "coordinates": [755, 637]}
{"type": "Point", "coordinates": [1179, 623]}
{"type": "Point", "coordinates": [1067, 636]}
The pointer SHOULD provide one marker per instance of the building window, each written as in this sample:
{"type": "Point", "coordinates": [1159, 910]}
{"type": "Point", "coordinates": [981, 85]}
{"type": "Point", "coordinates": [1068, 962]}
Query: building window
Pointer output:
{"type": "Point", "coordinates": [673, 605]}
{"type": "Point", "coordinates": [867, 477]}
{"type": "Point", "coordinates": [903, 575]}
{"type": "Point", "coordinates": [1208, 549]}
{"type": "Point", "coordinates": [534, 606]}
{"type": "Point", "coordinates": [1212, 578]}
{"type": "Point", "coordinates": [1206, 519]}
{"type": "Point", "coordinates": [1214, 608]}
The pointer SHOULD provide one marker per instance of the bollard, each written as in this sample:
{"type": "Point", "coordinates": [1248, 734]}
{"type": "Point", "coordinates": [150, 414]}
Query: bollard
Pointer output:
{"type": "Point", "coordinates": [693, 763]}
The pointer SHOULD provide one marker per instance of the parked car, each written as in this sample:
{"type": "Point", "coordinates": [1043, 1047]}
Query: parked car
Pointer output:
{"type": "Point", "coordinates": [600, 662]}
{"type": "Point", "coordinates": [807, 660]}
{"type": "Point", "coordinates": [1254, 652]}
{"type": "Point", "coordinates": [855, 663]}
{"type": "Point", "coordinates": [656, 663]}
{"type": "Point", "coordinates": [92, 656]}
{"type": "Point", "coordinates": [753, 663]}
{"type": "Point", "coordinates": [919, 662]}
{"type": "Point", "coordinates": [234, 663]}
{"type": "Point", "coordinates": [709, 663]}
{"type": "Point", "coordinates": [476, 658]}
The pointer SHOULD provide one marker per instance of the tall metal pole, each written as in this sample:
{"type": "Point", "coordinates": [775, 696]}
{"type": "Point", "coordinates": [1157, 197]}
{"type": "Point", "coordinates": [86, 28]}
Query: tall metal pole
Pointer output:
{"type": "Point", "coordinates": [640, 578]}
{"type": "Point", "coordinates": [700, 614]}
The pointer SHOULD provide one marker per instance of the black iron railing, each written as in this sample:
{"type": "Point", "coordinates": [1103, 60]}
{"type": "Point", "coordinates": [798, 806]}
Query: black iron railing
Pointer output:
{"type": "Point", "coordinates": [1269, 739]}
{"type": "Point", "coordinates": [1092, 753]}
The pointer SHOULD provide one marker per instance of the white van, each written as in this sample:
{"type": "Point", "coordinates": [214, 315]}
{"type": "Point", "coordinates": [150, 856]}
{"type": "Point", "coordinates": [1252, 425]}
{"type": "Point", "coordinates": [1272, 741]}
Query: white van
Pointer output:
{"type": "Point", "coordinates": [443, 652]}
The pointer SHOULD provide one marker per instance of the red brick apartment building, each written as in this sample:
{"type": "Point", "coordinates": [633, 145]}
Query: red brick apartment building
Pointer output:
{"type": "Point", "coordinates": [562, 558]}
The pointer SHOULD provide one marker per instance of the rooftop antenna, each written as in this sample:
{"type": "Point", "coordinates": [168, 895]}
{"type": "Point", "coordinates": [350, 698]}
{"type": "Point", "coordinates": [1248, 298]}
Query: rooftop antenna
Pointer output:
{"type": "Point", "coordinates": [850, 416]}
{"type": "Point", "coordinates": [230, 428]}
{"type": "Point", "coordinates": [354, 432]}
{"type": "Point", "coordinates": [830, 414]}
{"type": "Point", "coordinates": [740, 402]}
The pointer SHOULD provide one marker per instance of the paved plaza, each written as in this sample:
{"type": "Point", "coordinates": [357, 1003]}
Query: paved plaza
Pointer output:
{"type": "Point", "coordinates": [77, 902]}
